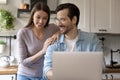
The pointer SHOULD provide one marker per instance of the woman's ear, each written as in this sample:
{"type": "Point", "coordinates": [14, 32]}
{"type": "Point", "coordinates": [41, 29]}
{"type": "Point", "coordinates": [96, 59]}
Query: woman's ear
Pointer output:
{"type": "Point", "coordinates": [74, 20]}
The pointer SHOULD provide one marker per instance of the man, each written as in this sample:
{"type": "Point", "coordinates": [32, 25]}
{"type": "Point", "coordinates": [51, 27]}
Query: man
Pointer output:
{"type": "Point", "coordinates": [71, 39]}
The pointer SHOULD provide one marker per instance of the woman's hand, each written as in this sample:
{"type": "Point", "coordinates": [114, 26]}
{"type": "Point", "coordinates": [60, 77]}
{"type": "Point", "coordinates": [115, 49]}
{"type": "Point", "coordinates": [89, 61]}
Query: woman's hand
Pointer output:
{"type": "Point", "coordinates": [49, 74]}
{"type": "Point", "coordinates": [42, 52]}
{"type": "Point", "coordinates": [47, 43]}
{"type": "Point", "coordinates": [50, 40]}
{"type": "Point", "coordinates": [56, 36]}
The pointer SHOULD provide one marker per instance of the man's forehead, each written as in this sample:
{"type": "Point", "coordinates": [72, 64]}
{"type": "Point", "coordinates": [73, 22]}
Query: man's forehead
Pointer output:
{"type": "Point", "coordinates": [62, 13]}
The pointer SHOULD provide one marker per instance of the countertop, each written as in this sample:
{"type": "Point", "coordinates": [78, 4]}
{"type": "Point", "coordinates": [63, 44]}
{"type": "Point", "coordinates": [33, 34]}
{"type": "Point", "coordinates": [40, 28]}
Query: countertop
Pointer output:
{"type": "Point", "coordinates": [13, 70]}
{"type": "Point", "coordinates": [110, 69]}
{"type": "Point", "coordinates": [8, 70]}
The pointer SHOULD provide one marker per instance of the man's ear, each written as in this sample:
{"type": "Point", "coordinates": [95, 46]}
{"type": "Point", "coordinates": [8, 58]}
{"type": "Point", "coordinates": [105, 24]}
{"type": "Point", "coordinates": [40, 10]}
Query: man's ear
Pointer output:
{"type": "Point", "coordinates": [74, 20]}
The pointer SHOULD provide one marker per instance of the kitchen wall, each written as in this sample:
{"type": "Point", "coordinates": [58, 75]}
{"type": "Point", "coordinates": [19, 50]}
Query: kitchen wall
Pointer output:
{"type": "Point", "coordinates": [110, 42]}
{"type": "Point", "coordinates": [12, 6]}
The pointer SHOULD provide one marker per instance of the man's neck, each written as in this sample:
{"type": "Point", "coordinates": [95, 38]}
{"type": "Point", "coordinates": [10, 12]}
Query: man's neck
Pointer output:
{"type": "Point", "coordinates": [72, 34]}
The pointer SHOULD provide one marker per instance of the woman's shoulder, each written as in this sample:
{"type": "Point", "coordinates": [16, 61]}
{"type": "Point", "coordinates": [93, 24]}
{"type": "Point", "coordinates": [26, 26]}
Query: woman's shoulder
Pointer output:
{"type": "Point", "coordinates": [23, 30]}
{"type": "Point", "coordinates": [52, 26]}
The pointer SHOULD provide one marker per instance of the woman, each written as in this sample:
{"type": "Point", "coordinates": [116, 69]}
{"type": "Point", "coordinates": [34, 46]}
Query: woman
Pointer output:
{"type": "Point", "coordinates": [33, 41]}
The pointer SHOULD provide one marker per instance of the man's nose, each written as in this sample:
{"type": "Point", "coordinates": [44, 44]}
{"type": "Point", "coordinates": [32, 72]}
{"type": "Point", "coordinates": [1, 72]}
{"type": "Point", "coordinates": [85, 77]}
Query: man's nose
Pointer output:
{"type": "Point", "coordinates": [59, 23]}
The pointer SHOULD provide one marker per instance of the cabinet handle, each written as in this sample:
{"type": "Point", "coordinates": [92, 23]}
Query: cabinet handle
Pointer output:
{"type": "Point", "coordinates": [112, 77]}
{"type": "Point", "coordinates": [103, 30]}
{"type": "Point", "coordinates": [106, 77]}
{"type": "Point", "coordinates": [12, 78]}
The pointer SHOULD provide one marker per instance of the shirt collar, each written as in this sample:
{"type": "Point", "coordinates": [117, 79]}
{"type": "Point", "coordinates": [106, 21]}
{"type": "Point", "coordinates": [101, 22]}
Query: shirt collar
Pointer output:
{"type": "Point", "coordinates": [80, 37]}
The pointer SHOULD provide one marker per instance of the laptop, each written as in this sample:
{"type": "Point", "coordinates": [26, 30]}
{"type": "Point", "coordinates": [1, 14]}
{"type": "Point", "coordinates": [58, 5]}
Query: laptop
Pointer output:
{"type": "Point", "coordinates": [77, 65]}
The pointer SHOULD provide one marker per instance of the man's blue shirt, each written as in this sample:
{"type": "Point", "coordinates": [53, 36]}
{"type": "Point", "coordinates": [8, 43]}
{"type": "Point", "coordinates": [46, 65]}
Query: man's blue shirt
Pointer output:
{"type": "Point", "coordinates": [86, 42]}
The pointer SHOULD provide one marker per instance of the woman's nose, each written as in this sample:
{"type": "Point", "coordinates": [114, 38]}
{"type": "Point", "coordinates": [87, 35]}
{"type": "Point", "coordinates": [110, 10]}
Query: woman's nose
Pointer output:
{"type": "Point", "coordinates": [41, 20]}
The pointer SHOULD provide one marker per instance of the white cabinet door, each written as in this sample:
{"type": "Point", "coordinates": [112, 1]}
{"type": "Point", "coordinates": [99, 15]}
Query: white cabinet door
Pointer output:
{"type": "Point", "coordinates": [7, 77]}
{"type": "Point", "coordinates": [84, 22]}
{"type": "Point", "coordinates": [105, 16]}
{"type": "Point", "coordinates": [100, 16]}
{"type": "Point", "coordinates": [111, 76]}
{"type": "Point", "coordinates": [115, 16]}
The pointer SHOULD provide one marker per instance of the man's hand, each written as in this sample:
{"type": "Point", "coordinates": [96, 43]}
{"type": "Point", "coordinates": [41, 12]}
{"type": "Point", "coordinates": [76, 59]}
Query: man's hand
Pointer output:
{"type": "Point", "coordinates": [49, 74]}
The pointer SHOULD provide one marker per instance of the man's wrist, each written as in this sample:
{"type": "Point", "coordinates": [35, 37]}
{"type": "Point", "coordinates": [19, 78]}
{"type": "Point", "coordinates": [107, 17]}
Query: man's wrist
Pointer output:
{"type": "Point", "coordinates": [49, 74]}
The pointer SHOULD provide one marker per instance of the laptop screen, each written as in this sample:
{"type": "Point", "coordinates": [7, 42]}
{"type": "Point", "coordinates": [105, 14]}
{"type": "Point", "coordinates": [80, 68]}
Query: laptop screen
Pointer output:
{"type": "Point", "coordinates": [77, 65]}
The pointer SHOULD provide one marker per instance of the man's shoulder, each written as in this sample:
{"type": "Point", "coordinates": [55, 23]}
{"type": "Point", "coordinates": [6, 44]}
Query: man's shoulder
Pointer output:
{"type": "Point", "coordinates": [87, 34]}
{"type": "Point", "coordinates": [52, 47]}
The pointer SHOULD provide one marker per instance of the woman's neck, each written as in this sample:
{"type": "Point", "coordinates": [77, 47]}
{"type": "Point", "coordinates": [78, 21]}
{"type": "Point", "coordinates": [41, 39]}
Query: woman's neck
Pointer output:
{"type": "Point", "coordinates": [39, 32]}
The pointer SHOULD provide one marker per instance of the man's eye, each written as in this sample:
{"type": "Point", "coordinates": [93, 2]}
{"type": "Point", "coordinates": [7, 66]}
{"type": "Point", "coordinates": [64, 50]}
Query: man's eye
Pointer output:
{"type": "Point", "coordinates": [45, 18]}
{"type": "Point", "coordinates": [62, 19]}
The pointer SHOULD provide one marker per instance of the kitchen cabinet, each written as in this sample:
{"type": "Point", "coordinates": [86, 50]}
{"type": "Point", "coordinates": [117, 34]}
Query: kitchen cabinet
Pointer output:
{"type": "Point", "coordinates": [84, 22]}
{"type": "Point", "coordinates": [111, 76]}
{"type": "Point", "coordinates": [105, 16]}
{"type": "Point", "coordinates": [8, 77]}
{"type": "Point", "coordinates": [98, 16]}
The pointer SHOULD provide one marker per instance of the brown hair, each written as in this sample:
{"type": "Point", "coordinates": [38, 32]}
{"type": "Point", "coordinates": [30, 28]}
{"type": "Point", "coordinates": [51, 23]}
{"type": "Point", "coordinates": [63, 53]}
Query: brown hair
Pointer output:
{"type": "Point", "coordinates": [73, 10]}
{"type": "Point", "coordinates": [38, 6]}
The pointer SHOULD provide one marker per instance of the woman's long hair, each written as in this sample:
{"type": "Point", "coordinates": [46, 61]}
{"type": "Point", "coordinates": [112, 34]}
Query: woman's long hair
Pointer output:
{"type": "Point", "coordinates": [38, 6]}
